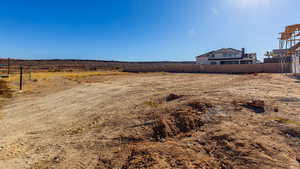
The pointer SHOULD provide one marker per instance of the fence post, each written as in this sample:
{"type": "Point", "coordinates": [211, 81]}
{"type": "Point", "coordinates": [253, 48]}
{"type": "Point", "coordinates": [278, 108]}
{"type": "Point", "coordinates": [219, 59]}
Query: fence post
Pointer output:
{"type": "Point", "coordinates": [21, 77]}
{"type": "Point", "coordinates": [8, 66]}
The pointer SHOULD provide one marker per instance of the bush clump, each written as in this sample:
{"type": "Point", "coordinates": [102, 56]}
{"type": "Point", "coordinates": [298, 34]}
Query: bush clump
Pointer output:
{"type": "Point", "coordinates": [5, 91]}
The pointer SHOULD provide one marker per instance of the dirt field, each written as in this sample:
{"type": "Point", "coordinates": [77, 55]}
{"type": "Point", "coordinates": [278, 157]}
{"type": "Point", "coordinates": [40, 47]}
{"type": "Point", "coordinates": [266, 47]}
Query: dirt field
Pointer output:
{"type": "Point", "coordinates": [132, 121]}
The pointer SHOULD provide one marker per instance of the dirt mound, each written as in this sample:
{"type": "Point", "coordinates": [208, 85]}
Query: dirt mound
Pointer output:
{"type": "Point", "coordinates": [175, 123]}
{"type": "Point", "coordinates": [180, 121]}
{"type": "Point", "coordinates": [219, 147]}
{"type": "Point", "coordinates": [168, 156]}
{"type": "Point", "coordinates": [190, 136]}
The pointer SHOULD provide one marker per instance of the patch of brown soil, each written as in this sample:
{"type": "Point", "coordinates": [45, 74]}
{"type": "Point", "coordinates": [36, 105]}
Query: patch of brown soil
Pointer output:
{"type": "Point", "coordinates": [142, 159]}
{"type": "Point", "coordinates": [166, 155]}
{"type": "Point", "coordinates": [200, 106]}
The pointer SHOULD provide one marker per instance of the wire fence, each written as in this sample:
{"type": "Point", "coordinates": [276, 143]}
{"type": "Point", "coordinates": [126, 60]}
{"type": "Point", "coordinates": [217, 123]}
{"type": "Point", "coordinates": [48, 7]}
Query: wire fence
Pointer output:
{"type": "Point", "coordinates": [19, 70]}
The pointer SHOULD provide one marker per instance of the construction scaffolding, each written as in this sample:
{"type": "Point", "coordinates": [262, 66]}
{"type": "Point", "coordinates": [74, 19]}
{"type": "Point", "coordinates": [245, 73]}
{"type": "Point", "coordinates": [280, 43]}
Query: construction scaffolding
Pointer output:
{"type": "Point", "coordinates": [290, 42]}
{"type": "Point", "coordinates": [290, 38]}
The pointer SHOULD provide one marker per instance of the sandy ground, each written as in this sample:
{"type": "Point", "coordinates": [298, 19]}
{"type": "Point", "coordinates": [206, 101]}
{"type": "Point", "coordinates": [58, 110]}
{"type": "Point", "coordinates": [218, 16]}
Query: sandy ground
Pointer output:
{"type": "Point", "coordinates": [83, 125]}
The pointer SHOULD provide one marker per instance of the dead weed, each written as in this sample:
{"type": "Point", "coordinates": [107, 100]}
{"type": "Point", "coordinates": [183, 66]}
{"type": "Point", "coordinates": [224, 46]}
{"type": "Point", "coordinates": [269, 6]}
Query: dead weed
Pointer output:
{"type": "Point", "coordinates": [5, 91]}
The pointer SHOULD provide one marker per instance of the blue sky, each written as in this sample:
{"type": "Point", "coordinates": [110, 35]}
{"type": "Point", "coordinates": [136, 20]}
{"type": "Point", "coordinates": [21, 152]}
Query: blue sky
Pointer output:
{"type": "Point", "coordinates": [140, 30]}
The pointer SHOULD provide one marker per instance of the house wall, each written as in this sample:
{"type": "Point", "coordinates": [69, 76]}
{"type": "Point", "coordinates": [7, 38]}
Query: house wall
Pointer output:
{"type": "Point", "coordinates": [202, 60]}
{"type": "Point", "coordinates": [226, 54]}
{"type": "Point", "coordinates": [225, 61]}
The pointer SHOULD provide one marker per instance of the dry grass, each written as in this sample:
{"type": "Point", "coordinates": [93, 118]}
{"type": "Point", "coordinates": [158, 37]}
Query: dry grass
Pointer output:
{"type": "Point", "coordinates": [286, 121]}
{"type": "Point", "coordinates": [48, 75]}
{"type": "Point", "coordinates": [5, 93]}
{"type": "Point", "coordinates": [35, 80]}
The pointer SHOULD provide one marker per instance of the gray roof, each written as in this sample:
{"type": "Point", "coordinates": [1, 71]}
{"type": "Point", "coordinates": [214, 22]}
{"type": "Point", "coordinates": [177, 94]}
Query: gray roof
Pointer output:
{"type": "Point", "coordinates": [227, 49]}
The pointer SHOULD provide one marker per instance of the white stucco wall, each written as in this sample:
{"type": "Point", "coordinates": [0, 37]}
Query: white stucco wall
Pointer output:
{"type": "Point", "coordinates": [202, 60]}
{"type": "Point", "coordinates": [226, 54]}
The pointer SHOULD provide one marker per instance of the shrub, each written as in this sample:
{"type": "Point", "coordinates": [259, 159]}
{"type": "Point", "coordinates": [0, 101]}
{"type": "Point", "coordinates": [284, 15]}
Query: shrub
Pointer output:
{"type": "Point", "coordinates": [5, 91]}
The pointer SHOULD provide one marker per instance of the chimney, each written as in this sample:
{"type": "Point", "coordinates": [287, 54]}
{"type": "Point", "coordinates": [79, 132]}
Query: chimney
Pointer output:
{"type": "Point", "coordinates": [243, 52]}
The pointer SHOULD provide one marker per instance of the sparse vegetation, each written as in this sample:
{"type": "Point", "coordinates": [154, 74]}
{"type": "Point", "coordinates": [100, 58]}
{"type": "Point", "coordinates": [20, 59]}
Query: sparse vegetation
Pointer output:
{"type": "Point", "coordinates": [42, 80]}
{"type": "Point", "coordinates": [5, 91]}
